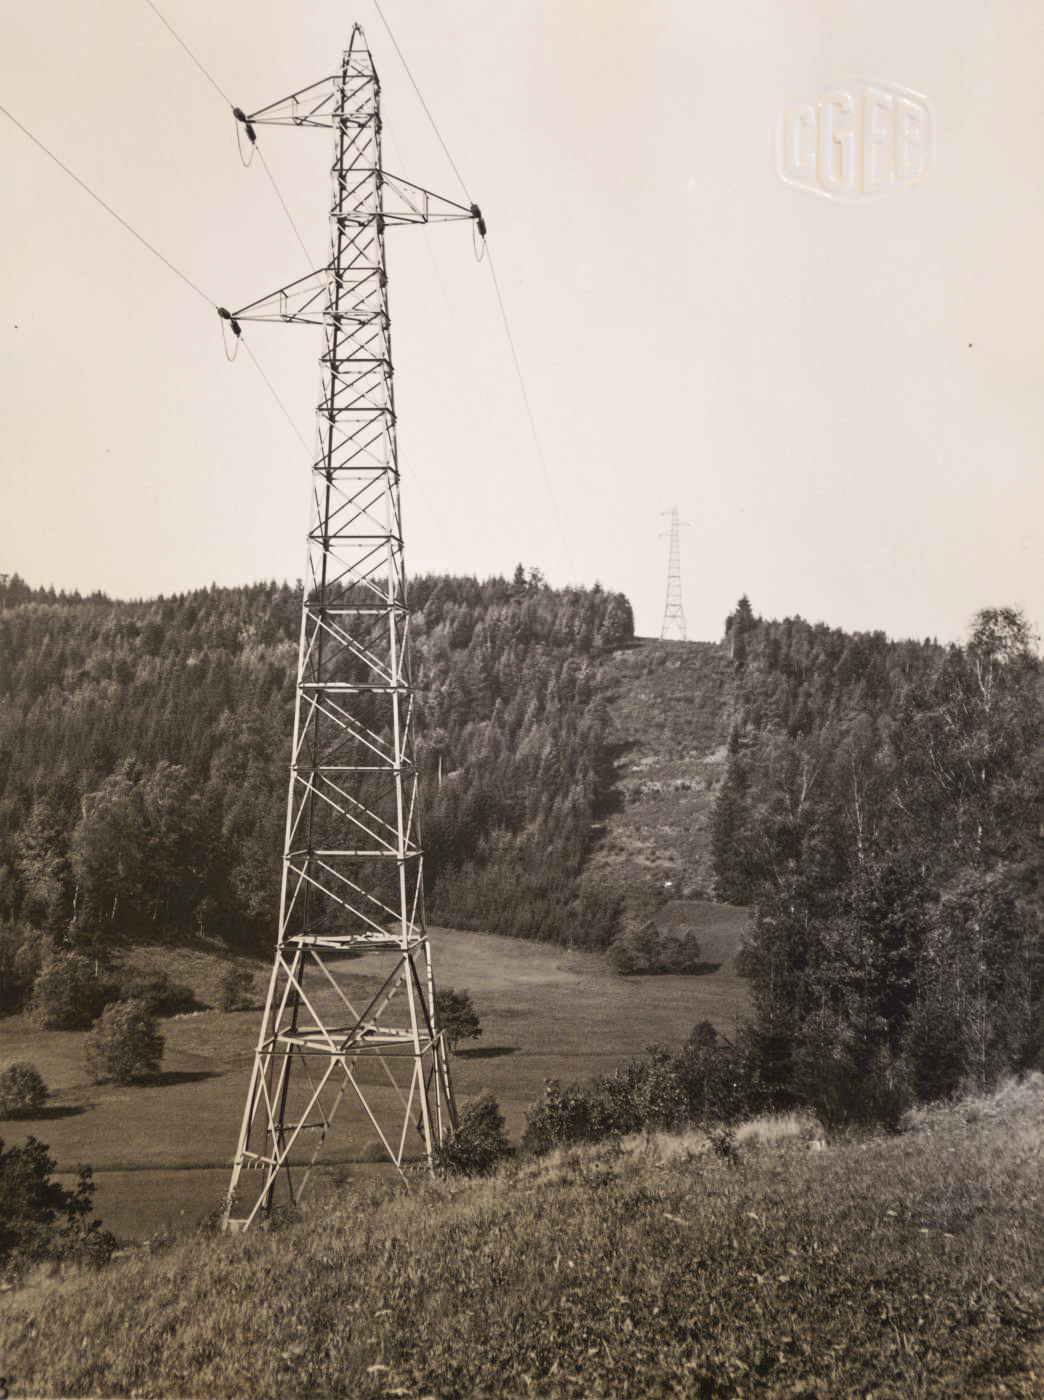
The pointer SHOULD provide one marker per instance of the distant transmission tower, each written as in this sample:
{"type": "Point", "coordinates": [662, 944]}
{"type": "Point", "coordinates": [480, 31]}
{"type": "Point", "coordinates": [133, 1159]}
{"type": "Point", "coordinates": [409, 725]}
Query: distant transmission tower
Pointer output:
{"type": "Point", "coordinates": [673, 612]}
{"type": "Point", "coordinates": [351, 1009]}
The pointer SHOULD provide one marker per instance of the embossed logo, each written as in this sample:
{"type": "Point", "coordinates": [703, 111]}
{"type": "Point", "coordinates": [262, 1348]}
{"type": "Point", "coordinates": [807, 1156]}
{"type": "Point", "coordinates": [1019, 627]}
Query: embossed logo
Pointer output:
{"type": "Point", "coordinates": [858, 139]}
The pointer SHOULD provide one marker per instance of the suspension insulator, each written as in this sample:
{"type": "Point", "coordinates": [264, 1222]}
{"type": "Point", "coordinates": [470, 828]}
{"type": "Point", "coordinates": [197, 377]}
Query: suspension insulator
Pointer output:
{"type": "Point", "coordinates": [227, 316]}
{"type": "Point", "coordinates": [241, 116]}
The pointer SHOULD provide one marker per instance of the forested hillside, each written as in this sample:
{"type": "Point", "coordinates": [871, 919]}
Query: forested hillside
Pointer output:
{"type": "Point", "coordinates": [883, 813]}
{"type": "Point", "coordinates": [878, 805]}
{"type": "Point", "coordinates": [144, 750]}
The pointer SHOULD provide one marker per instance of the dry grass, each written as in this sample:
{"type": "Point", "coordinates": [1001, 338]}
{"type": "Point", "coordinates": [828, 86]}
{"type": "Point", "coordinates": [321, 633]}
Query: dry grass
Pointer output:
{"type": "Point", "coordinates": [772, 1128]}
{"type": "Point", "coordinates": [905, 1266]}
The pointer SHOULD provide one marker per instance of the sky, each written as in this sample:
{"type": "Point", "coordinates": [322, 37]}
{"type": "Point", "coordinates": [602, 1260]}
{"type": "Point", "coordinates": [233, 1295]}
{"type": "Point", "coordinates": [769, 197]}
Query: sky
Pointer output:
{"type": "Point", "coordinates": [843, 397]}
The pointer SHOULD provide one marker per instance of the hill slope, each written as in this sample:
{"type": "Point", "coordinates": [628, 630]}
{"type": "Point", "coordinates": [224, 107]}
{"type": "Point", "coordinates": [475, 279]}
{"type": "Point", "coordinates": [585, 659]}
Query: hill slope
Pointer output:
{"type": "Point", "coordinates": [144, 750]}
{"type": "Point", "coordinates": [670, 707]}
{"type": "Point", "coordinates": [904, 1265]}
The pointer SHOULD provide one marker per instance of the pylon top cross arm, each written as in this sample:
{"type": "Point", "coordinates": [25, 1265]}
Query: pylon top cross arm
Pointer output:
{"type": "Point", "coordinates": [319, 104]}
{"type": "Point", "coordinates": [347, 98]}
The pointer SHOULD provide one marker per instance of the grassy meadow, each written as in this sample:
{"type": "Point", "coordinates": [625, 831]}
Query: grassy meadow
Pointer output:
{"type": "Point", "coordinates": [161, 1151]}
{"type": "Point", "coordinates": [909, 1265]}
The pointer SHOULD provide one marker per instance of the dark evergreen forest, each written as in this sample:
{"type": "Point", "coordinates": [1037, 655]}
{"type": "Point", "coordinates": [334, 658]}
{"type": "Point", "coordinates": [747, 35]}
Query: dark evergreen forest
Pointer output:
{"type": "Point", "coordinates": [144, 750]}
{"type": "Point", "coordinates": [883, 815]}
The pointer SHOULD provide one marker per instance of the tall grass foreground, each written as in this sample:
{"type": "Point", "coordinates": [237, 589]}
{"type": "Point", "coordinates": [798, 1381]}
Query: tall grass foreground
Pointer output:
{"type": "Point", "coordinates": [907, 1264]}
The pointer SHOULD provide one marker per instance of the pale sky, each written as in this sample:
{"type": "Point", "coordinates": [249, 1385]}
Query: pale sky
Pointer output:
{"type": "Point", "coordinates": [844, 400]}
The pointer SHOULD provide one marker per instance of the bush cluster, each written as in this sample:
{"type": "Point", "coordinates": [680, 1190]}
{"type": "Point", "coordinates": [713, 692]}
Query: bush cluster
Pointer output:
{"type": "Point", "coordinates": [480, 1141]}
{"type": "Point", "coordinates": [647, 949]}
{"type": "Point", "coordinates": [158, 993]}
{"type": "Point", "coordinates": [456, 1015]}
{"type": "Point", "coordinates": [64, 990]}
{"type": "Point", "coordinates": [68, 994]}
{"type": "Point", "coordinates": [39, 1218]}
{"type": "Point", "coordinates": [707, 1081]}
{"type": "Point", "coordinates": [22, 1090]}
{"type": "Point", "coordinates": [237, 990]}
{"type": "Point", "coordinates": [124, 1044]}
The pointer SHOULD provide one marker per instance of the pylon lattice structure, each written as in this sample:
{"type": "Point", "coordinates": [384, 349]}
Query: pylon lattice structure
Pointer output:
{"type": "Point", "coordinates": [350, 1011]}
{"type": "Point", "coordinates": [673, 612]}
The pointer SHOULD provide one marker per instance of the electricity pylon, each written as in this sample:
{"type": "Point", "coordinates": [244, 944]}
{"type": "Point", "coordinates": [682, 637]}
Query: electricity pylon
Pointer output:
{"type": "Point", "coordinates": [673, 612]}
{"type": "Point", "coordinates": [351, 1009]}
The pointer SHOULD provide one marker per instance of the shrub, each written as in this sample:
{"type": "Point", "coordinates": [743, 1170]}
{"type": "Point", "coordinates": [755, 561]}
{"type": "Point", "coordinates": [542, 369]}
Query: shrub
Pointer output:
{"type": "Point", "coordinates": [457, 1016]}
{"type": "Point", "coordinates": [67, 994]}
{"type": "Point", "coordinates": [237, 990]}
{"type": "Point", "coordinates": [480, 1141]}
{"type": "Point", "coordinates": [158, 994]}
{"type": "Point", "coordinates": [646, 949]}
{"type": "Point", "coordinates": [38, 1217]}
{"type": "Point", "coordinates": [707, 1082]}
{"type": "Point", "coordinates": [643, 1094]}
{"type": "Point", "coordinates": [22, 1090]}
{"type": "Point", "coordinates": [559, 1116]}
{"type": "Point", "coordinates": [635, 950]}
{"type": "Point", "coordinates": [124, 1045]}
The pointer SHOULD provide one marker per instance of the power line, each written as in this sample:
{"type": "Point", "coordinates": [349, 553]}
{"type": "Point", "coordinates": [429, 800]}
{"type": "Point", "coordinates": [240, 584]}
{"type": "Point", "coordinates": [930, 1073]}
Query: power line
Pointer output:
{"type": "Point", "coordinates": [529, 415]}
{"type": "Point", "coordinates": [308, 257]}
{"type": "Point", "coordinates": [286, 210]}
{"type": "Point", "coordinates": [420, 98]}
{"type": "Point", "coordinates": [224, 96]}
{"type": "Point", "coordinates": [157, 254]}
{"type": "Point", "coordinates": [107, 207]}
{"type": "Point", "coordinates": [431, 507]}
{"type": "Point", "coordinates": [463, 346]}
{"type": "Point", "coordinates": [279, 401]}
{"type": "Point", "coordinates": [297, 233]}
{"type": "Point", "coordinates": [191, 55]}
{"type": "Point", "coordinates": [311, 263]}
{"type": "Point", "coordinates": [500, 301]}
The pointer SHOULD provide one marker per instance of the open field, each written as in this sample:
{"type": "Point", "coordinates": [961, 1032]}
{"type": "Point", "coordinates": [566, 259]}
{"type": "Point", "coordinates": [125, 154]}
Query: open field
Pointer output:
{"type": "Point", "coordinates": [161, 1151]}
{"type": "Point", "coordinates": [898, 1266]}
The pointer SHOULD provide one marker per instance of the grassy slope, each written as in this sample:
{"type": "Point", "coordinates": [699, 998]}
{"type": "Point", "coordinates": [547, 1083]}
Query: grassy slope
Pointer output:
{"type": "Point", "coordinates": [161, 1151]}
{"type": "Point", "coordinates": [670, 704]}
{"type": "Point", "coordinates": [903, 1266]}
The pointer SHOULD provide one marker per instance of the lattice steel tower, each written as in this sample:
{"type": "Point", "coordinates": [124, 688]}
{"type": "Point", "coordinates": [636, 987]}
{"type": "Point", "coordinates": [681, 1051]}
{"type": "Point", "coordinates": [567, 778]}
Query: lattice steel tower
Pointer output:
{"type": "Point", "coordinates": [673, 612]}
{"type": "Point", "coordinates": [351, 1002]}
